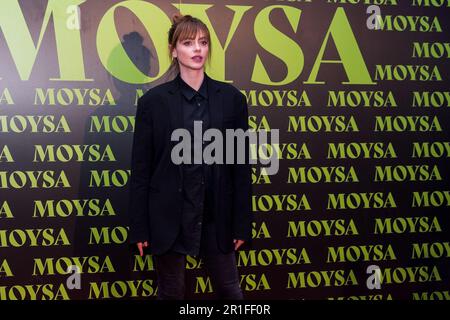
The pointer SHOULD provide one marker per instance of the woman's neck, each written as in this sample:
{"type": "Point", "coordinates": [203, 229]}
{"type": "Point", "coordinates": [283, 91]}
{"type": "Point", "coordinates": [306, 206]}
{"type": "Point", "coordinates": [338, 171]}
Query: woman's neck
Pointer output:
{"type": "Point", "coordinates": [193, 78]}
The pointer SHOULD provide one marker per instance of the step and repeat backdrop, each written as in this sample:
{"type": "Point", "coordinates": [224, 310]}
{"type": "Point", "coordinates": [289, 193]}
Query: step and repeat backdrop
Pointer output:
{"type": "Point", "coordinates": [358, 89]}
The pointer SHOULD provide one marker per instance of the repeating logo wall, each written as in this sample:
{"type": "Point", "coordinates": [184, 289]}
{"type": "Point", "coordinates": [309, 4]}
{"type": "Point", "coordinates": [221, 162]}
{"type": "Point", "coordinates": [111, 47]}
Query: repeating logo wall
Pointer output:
{"type": "Point", "coordinates": [359, 90]}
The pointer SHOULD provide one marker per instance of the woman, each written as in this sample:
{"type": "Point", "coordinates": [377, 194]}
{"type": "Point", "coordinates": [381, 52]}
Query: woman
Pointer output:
{"type": "Point", "coordinates": [190, 208]}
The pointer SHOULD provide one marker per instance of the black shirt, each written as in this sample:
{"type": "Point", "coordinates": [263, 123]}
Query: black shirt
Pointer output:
{"type": "Point", "coordinates": [197, 177]}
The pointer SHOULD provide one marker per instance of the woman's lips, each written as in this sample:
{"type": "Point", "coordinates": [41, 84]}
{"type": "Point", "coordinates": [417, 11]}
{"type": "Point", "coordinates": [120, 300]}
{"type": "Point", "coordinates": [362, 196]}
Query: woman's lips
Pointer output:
{"type": "Point", "coordinates": [197, 58]}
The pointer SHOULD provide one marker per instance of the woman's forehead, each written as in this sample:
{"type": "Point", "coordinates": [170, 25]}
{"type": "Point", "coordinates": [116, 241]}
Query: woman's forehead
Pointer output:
{"type": "Point", "coordinates": [194, 34]}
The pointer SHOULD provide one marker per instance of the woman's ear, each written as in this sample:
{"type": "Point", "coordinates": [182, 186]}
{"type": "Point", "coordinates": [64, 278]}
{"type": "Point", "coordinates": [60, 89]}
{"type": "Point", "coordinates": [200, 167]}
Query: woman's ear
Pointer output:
{"type": "Point", "coordinates": [173, 51]}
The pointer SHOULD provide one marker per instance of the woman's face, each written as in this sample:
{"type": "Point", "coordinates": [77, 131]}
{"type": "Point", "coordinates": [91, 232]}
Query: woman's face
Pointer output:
{"type": "Point", "coordinates": [192, 53]}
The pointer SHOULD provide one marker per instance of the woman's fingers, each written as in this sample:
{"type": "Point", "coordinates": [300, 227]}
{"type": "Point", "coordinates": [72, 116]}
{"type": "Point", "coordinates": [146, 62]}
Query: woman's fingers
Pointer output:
{"type": "Point", "coordinates": [237, 243]}
{"type": "Point", "coordinates": [141, 246]}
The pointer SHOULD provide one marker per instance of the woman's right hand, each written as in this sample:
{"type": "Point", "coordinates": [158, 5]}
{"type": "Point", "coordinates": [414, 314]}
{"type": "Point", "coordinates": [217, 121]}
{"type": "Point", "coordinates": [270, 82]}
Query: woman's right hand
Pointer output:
{"type": "Point", "coordinates": [140, 246]}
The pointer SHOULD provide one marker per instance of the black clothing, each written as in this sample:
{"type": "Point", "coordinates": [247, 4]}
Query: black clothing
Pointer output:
{"type": "Point", "coordinates": [157, 183]}
{"type": "Point", "coordinates": [170, 270]}
{"type": "Point", "coordinates": [197, 182]}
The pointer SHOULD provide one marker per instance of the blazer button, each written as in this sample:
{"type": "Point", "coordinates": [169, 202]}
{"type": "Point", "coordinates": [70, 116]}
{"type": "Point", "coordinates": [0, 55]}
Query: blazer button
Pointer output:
{"type": "Point", "coordinates": [179, 189]}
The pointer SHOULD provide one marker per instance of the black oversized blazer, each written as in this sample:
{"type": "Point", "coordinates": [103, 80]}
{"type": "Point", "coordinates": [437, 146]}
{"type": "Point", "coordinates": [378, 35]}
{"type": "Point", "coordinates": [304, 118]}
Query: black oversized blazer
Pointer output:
{"type": "Point", "coordinates": [156, 182]}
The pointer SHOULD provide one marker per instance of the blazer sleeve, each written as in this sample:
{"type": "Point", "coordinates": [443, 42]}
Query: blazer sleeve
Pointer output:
{"type": "Point", "coordinates": [141, 160]}
{"type": "Point", "coordinates": [241, 174]}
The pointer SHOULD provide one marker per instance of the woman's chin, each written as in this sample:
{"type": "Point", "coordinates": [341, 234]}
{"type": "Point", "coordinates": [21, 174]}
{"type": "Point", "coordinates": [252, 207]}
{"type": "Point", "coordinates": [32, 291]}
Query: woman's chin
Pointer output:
{"type": "Point", "coordinates": [196, 66]}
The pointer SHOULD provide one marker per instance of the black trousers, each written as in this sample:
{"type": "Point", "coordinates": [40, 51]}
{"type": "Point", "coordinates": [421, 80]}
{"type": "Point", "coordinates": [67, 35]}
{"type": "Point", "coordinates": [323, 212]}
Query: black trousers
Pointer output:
{"type": "Point", "coordinates": [221, 267]}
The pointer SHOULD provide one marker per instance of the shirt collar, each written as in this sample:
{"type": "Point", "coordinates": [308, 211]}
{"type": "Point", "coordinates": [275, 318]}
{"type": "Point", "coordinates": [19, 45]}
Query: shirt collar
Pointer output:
{"type": "Point", "coordinates": [189, 92]}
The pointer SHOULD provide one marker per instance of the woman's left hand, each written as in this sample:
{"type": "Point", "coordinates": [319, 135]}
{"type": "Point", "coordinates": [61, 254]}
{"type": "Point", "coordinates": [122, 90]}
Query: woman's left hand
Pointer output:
{"type": "Point", "coordinates": [237, 243]}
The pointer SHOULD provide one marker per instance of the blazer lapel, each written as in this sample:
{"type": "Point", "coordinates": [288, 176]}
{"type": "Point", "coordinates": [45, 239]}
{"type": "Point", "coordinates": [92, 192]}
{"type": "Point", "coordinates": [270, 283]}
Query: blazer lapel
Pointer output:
{"type": "Point", "coordinates": [216, 121]}
{"type": "Point", "coordinates": [215, 103]}
{"type": "Point", "coordinates": [175, 106]}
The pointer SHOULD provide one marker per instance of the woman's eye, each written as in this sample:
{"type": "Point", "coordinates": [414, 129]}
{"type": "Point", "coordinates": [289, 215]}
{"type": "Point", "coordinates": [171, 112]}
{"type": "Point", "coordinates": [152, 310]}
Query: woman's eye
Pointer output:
{"type": "Point", "coordinates": [187, 43]}
{"type": "Point", "coordinates": [204, 43]}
